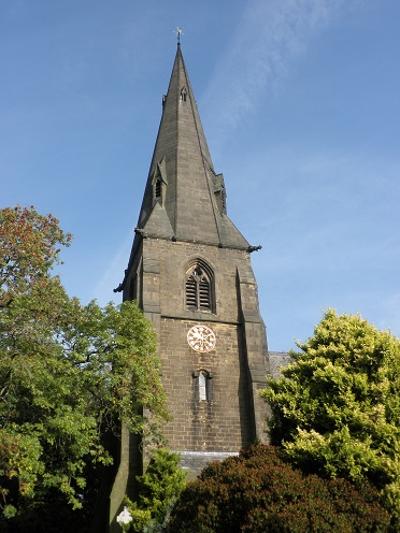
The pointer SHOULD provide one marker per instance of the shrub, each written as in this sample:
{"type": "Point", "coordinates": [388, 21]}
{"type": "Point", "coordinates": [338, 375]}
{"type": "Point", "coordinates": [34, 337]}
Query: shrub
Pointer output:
{"type": "Point", "coordinates": [258, 492]}
{"type": "Point", "coordinates": [159, 488]}
{"type": "Point", "coordinates": [336, 408]}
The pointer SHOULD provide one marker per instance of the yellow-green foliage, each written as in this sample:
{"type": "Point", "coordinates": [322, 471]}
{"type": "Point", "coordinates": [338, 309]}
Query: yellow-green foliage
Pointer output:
{"type": "Point", "coordinates": [336, 409]}
{"type": "Point", "coordinates": [159, 488]}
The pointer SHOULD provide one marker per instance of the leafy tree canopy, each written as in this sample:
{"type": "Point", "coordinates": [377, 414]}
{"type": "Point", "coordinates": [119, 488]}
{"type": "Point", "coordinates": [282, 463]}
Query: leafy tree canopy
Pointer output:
{"type": "Point", "coordinates": [257, 492]}
{"type": "Point", "coordinates": [68, 372]}
{"type": "Point", "coordinates": [30, 247]}
{"type": "Point", "coordinates": [336, 408]}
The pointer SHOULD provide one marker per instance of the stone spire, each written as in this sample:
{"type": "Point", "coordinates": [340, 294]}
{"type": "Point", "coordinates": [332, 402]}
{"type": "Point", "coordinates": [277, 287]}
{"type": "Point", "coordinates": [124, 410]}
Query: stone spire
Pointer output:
{"type": "Point", "coordinates": [184, 199]}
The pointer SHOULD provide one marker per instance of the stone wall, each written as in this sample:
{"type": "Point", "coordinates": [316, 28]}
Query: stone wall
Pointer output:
{"type": "Point", "coordinates": [222, 422]}
{"type": "Point", "coordinates": [226, 421]}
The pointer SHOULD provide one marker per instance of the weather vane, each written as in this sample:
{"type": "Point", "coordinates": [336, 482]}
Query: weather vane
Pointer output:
{"type": "Point", "coordinates": [179, 33]}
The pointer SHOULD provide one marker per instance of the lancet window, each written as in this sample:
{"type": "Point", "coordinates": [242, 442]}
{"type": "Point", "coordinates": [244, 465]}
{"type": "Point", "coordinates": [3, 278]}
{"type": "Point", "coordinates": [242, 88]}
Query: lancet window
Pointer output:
{"type": "Point", "coordinates": [157, 189]}
{"type": "Point", "coordinates": [183, 94]}
{"type": "Point", "coordinates": [203, 385]}
{"type": "Point", "coordinates": [199, 291]}
{"type": "Point", "coordinates": [159, 181]}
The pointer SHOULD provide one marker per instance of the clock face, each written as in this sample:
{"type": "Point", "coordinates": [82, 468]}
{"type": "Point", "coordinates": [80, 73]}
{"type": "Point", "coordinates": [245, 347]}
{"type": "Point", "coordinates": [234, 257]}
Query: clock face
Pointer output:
{"type": "Point", "coordinates": [201, 338]}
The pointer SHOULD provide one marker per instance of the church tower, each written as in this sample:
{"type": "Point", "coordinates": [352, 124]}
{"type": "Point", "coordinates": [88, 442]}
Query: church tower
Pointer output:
{"type": "Point", "coordinates": [190, 272]}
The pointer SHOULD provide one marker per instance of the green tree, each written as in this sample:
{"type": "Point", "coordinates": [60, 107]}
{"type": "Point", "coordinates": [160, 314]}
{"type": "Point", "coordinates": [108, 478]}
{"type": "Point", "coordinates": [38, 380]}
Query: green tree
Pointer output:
{"type": "Point", "coordinates": [30, 245]}
{"type": "Point", "coordinates": [158, 488]}
{"type": "Point", "coordinates": [69, 374]}
{"type": "Point", "coordinates": [258, 492]}
{"type": "Point", "coordinates": [336, 408]}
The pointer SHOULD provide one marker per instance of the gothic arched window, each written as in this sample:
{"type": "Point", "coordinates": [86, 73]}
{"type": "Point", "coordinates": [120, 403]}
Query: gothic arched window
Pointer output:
{"type": "Point", "coordinates": [157, 189]}
{"type": "Point", "coordinates": [203, 385]}
{"type": "Point", "coordinates": [199, 287]}
{"type": "Point", "coordinates": [159, 182]}
{"type": "Point", "coordinates": [183, 94]}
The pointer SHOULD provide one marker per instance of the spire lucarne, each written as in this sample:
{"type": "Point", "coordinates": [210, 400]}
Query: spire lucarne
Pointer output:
{"type": "Point", "coordinates": [190, 273]}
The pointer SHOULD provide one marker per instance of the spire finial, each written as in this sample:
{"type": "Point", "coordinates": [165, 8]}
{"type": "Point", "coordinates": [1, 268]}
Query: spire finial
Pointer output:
{"type": "Point", "coordinates": [179, 33]}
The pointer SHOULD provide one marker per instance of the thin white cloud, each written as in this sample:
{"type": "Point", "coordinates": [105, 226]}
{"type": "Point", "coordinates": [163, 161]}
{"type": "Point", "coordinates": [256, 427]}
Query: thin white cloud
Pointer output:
{"type": "Point", "coordinates": [270, 35]}
{"type": "Point", "coordinates": [323, 210]}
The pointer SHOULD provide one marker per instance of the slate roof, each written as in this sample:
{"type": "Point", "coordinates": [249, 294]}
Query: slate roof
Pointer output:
{"type": "Point", "coordinates": [189, 208]}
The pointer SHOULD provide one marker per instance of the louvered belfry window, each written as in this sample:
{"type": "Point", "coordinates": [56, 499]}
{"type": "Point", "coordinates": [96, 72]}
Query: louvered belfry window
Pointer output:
{"type": "Point", "coordinates": [199, 294]}
{"type": "Point", "coordinates": [158, 188]}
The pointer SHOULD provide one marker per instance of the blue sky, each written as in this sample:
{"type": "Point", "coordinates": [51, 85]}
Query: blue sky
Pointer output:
{"type": "Point", "coordinates": [300, 104]}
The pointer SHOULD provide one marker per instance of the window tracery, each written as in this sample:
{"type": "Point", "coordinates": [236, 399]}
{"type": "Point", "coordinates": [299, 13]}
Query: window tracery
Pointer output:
{"type": "Point", "coordinates": [199, 287]}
